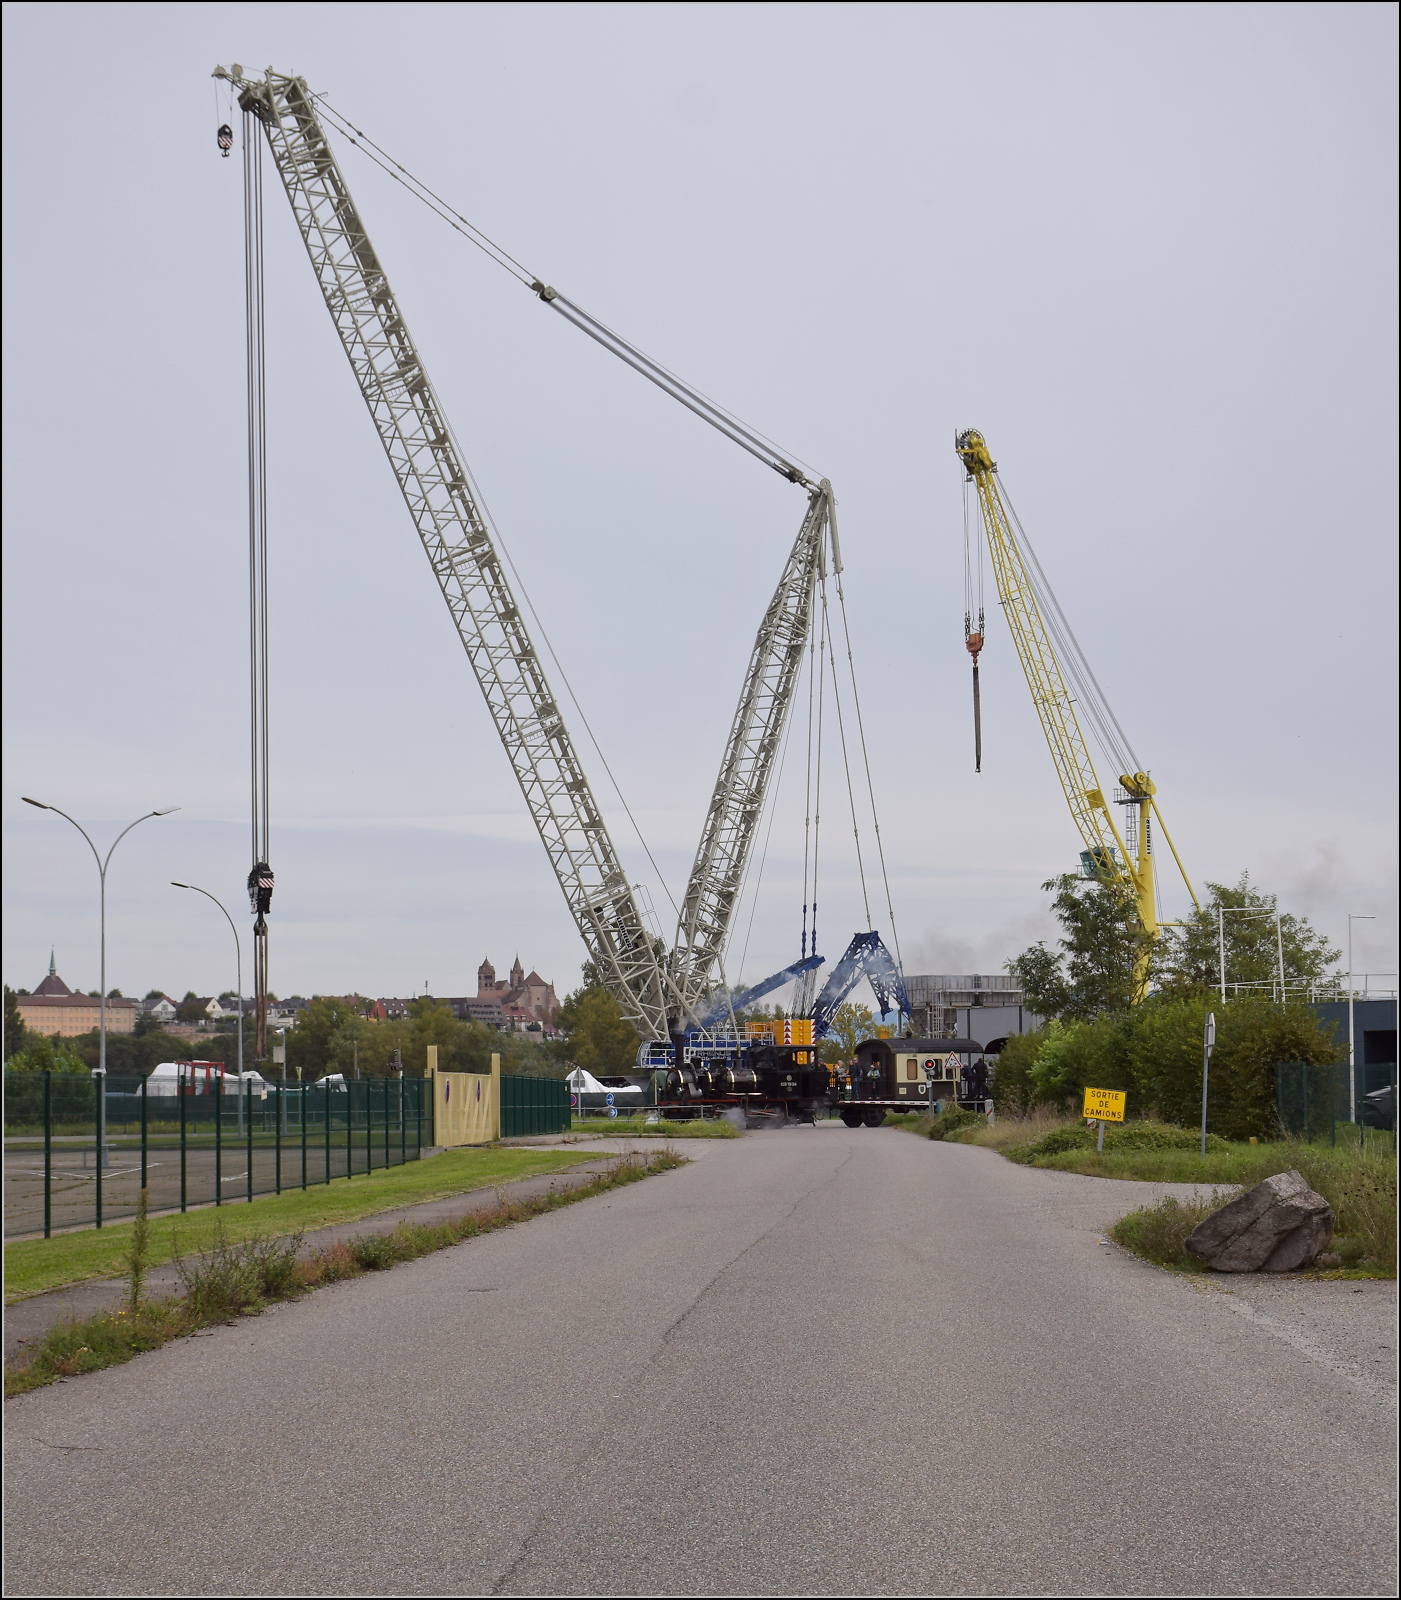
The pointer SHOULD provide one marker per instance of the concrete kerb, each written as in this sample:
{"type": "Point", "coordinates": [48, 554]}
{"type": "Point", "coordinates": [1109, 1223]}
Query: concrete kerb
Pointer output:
{"type": "Point", "coordinates": [28, 1320]}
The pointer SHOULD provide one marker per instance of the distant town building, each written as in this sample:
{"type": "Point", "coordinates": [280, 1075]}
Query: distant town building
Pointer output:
{"type": "Point", "coordinates": [161, 1007]}
{"type": "Point", "coordinates": [54, 1009]}
{"type": "Point", "coordinates": [523, 1003]}
{"type": "Point", "coordinates": [524, 997]}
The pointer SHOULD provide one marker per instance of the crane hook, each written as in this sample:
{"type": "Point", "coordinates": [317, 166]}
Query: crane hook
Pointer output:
{"type": "Point", "coordinates": [225, 139]}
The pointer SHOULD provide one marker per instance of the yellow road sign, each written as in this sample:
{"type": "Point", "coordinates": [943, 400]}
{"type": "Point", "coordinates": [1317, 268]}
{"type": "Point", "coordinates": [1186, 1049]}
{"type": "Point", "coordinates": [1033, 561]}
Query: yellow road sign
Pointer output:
{"type": "Point", "coordinates": [1105, 1105]}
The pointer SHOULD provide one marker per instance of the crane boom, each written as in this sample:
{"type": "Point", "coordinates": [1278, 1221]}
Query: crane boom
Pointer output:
{"type": "Point", "coordinates": [414, 431]}
{"type": "Point", "coordinates": [1122, 859]}
{"type": "Point", "coordinates": [756, 735]}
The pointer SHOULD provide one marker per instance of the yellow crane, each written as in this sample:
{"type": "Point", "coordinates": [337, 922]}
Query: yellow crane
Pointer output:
{"type": "Point", "coordinates": [1060, 679]}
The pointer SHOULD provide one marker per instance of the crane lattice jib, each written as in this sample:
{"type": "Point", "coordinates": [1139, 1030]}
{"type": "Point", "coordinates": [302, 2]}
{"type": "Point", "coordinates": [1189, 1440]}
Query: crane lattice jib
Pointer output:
{"type": "Point", "coordinates": [1049, 692]}
{"type": "Point", "coordinates": [755, 736]}
{"type": "Point", "coordinates": [435, 486]}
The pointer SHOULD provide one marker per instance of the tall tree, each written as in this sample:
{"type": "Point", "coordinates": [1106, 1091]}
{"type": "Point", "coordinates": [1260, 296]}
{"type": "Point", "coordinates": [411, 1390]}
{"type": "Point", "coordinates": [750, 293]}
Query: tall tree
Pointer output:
{"type": "Point", "coordinates": [852, 1025]}
{"type": "Point", "coordinates": [601, 1040]}
{"type": "Point", "coordinates": [15, 1030]}
{"type": "Point", "coordinates": [1093, 969]}
{"type": "Point", "coordinates": [1245, 917]}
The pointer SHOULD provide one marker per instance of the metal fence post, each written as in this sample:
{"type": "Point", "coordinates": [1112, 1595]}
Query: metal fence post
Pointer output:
{"type": "Point", "coordinates": [301, 1112]}
{"type": "Point", "coordinates": [326, 1084]}
{"type": "Point", "coordinates": [48, 1153]}
{"type": "Point", "coordinates": [218, 1138]}
{"type": "Point", "coordinates": [349, 1131]}
{"type": "Point", "coordinates": [246, 1106]}
{"type": "Point", "coordinates": [386, 1122]}
{"type": "Point", "coordinates": [403, 1127]}
{"type": "Point", "coordinates": [277, 1138]}
{"type": "Point", "coordinates": [145, 1084]}
{"type": "Point", "coordinates": [180, 1085]}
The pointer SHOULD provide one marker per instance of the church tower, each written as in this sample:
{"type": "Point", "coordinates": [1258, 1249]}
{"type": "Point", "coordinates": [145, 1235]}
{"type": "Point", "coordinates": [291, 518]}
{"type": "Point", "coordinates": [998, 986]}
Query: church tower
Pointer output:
{"type": "Point", "coordinates": [486, 978]}
{"type": "Point", "coordinates": [517, 974]}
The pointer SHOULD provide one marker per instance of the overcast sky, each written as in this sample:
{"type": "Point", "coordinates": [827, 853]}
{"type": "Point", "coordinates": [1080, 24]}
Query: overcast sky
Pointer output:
{"type": "Point", "coordinates": [1149, 251]}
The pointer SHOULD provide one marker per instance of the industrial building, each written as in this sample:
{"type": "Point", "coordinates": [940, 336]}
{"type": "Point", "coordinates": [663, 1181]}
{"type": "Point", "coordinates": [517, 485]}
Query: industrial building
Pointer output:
{"type": "Point", "coordinates": [984, 1006]}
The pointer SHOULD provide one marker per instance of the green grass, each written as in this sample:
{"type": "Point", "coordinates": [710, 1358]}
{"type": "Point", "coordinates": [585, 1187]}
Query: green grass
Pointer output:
{"type": "Point", "coordinates": [1359, 1184]}
{"type": "Point", "coordinates": [639, 1127]}
{"type": "Point", "coordinates": [240, 1278]}
{"type": "Point", "coordinates": [1159, 1233]}
{"type": "Point", "coordinates": [34, 1265]}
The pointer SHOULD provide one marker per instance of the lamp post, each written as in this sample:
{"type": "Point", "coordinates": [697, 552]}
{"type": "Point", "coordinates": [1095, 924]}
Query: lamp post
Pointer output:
{"type": "Point", "coordinates": [238, 950]}
{"type": "Point", "coordinates": [102, 863]}
{"type": "Point", "coordinates": [1352, 916]}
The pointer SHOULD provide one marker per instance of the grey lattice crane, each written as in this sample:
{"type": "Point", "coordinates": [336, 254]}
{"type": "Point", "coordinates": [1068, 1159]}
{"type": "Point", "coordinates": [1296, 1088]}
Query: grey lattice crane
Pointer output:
{"type": "Point", "coordinates": [423, 453]}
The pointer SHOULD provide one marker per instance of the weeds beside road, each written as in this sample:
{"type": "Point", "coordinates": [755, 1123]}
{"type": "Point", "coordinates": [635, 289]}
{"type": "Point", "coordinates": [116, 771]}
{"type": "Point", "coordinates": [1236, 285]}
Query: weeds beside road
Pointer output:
{"type": "Point", "coordinates": [234, 1278]}
{"type": "Point", "coordinates": [1359, 1183]}
{"type": "Point", "coordinates": [35, 1265]}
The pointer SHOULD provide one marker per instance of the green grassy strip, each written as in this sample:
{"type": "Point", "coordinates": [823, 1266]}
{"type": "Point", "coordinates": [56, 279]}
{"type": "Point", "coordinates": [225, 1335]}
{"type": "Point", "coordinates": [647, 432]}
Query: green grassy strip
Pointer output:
{"type": "Point", "coordinates": [234, 1279]}
{"type": "Point", "coordinates": [34, 1265]}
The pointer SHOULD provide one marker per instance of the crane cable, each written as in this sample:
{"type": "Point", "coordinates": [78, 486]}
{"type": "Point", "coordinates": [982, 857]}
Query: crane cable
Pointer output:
{"type": "Point", "coordinates": [735, 428]}
{"type": "Point", "coordinates": [870, 786]}
{"type": "Point", "coordinates": [1109, 735]}
{"type": "Point", "coordinates": [772, 802]}
{"type": "Point", "coordinates": [846, 762]}
{"type": "Point", "coordinates": [973, 638]}
{"type": "Point", "coordinates": [260, 878]}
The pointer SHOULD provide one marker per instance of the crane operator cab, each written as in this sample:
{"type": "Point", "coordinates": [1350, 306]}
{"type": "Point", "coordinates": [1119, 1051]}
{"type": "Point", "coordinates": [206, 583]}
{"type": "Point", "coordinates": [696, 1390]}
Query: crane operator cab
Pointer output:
{"type": "Point", "coordinates": [901, 1075]}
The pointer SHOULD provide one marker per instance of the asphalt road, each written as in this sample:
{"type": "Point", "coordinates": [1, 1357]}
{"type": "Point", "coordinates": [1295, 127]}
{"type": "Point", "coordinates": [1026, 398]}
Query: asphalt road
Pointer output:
{"type": "Point", "coordinates": [815, 1360]}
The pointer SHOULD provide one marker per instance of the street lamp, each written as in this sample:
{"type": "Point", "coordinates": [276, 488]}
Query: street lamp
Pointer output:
{"type": "Point", "coordinates": [1352, 916]}
{"type": "Point", "coordinates": [239, 950]}
{"type": "Point", "coordinates": [102, 863]}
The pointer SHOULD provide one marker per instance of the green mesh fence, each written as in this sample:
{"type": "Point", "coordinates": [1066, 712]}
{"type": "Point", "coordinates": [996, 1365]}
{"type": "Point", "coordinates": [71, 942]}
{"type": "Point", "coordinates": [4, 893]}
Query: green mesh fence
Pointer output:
{"type": "Point", "coordinates": [202, 1141]}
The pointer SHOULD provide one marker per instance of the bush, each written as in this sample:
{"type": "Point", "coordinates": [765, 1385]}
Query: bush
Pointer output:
{"type": "Point", "coordinates": [376, 1251]}
{"type": "Point", "coordinates": [1132, 1136]}
{"type": "Point", "coordinates": [1154, 1054]}
{"type": "Point", "coordinates": [949, 1124]}
{"type": "Point", "coordinates": [228, 1279]}
{"type": "Point", "coordinates": [1159, 1233]}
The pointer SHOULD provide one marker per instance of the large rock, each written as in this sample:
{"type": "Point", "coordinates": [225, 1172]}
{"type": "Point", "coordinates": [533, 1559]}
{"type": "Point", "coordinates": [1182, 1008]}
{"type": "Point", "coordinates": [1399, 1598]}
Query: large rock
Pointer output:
{"type": "Point", "coordinates": [1278, 1226]}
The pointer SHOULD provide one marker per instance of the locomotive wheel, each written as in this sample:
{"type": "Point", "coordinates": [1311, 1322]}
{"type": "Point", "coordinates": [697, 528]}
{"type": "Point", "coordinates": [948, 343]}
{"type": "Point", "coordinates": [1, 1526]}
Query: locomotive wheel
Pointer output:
{"type": "Point", "coordinates": [873, 1119]}
{"type": "Point", "coordinates": [852, 1118]}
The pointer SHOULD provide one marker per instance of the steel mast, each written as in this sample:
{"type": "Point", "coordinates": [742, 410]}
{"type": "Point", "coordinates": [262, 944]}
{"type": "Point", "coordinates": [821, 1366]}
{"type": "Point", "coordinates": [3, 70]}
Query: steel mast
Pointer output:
{"type": "Point", "coordinates": [415, 434]}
